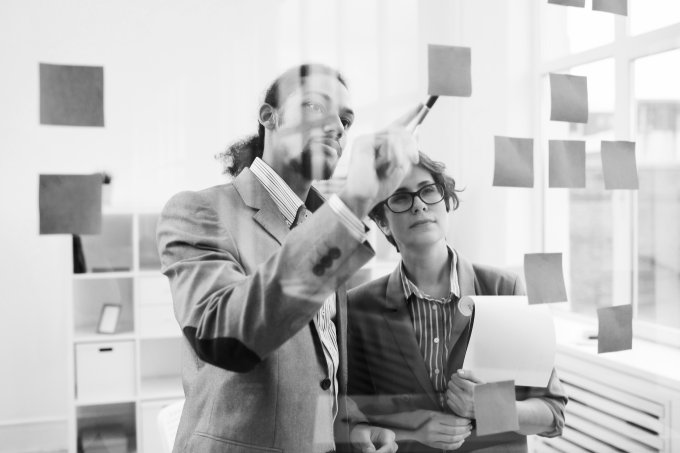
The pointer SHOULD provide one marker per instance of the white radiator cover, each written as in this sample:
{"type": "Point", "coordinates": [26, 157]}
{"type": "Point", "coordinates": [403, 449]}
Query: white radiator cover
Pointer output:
{"type": "Point", "coordinates": [614, 408]}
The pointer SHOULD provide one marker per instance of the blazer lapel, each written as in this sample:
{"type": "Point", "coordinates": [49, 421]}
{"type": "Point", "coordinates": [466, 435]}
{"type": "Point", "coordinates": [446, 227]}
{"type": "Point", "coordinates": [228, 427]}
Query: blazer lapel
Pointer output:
{"type": "Point", "coordinates": [341, 333]}
{"type": "Point", "coordinates": [255, 196]}
{"type": "Point", "coordinates": [466, 282]}
{"type": "Point", "coordinates": [399, 321]}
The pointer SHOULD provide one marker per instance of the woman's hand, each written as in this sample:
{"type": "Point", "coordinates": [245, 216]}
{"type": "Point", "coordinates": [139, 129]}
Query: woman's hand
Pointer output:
{"type": "Point", "coordinates": [459, 393]}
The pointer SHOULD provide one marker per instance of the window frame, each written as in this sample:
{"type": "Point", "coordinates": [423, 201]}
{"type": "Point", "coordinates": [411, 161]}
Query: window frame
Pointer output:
{"type": "Point", "coordinates": [625, 49]}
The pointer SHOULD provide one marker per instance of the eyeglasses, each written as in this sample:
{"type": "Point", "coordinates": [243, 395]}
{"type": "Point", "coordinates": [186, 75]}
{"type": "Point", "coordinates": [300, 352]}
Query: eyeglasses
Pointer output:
{"type": "Point", "coordinates": [403, 201]}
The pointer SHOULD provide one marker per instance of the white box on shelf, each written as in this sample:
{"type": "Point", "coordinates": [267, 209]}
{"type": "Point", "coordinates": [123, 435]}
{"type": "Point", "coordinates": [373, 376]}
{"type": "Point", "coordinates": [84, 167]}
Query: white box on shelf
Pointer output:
{"type": "Point", "coordinates": [105, 371]}
{"type": "Point", "coordinates": [151, 434]}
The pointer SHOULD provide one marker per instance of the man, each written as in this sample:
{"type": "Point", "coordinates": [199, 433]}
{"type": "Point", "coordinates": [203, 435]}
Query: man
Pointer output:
{"type": "Point", "coordinates": [408, 335]}
{"type": "Point", "coordinates": [259, 295]}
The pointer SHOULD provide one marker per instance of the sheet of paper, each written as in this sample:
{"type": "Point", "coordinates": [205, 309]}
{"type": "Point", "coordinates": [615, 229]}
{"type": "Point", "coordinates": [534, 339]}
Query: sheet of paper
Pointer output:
{"type": "Point", "coordinates": [611, 6]}
{"type": "Point", "coordinates": [511, 340]}
{"type": "Point", "coordinates": [71, 95]}
{"type": "Point", "coordinates": [495, 407]}
{"type": "Point", "coordinates": [579, 3]}
{"type": "Point", "coordinates": [618, 165]}
{"type": "Point", "coordinates": [449, 71]}
{"type": "Point", "coordinates": [514, 162]}
{"type": "Point", "coordinates": [567, 163]}
{"type": "Point", "coordinates": [615, 328]}
{"type": "Point", "coordinates": [70, 204]}
{"type": "Point", "coordinates": [544, 278]}
{"type": "Point", "coordinates": [568, 98]}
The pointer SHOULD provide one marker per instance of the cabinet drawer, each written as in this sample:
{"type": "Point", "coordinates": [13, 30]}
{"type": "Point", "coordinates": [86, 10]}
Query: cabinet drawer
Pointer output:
{"type": "Point", "coordinates": [105, 371]}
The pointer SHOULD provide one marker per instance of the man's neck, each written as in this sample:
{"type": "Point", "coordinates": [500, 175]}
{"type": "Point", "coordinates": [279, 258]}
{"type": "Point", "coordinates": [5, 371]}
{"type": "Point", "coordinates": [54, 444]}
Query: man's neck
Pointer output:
{"type": "Point", "coordinates": [429, 268]}
{"type": "Point", "coordinates": [299, 185]}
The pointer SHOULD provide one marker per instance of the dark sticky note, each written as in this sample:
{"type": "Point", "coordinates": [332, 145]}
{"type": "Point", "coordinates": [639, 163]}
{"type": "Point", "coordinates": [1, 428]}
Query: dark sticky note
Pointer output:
{"type": "Point", "coordinates": [71, 95]}
{"type": "Point", "coordinates": [615, 328]}
{"type": "Point", "coordinates": [544, 278]}
{"type": "Point", "coordinates": [514, 162]}
{"type": "Point", "coordinates": [449, 71]}
{"type": "Point", "coordinates": [611, 6]}
{"type": "Point", "coordinates": [578, 3]}
{"type": "Point", "coordinates": [495, 407]}
{"type": "Point", "coordinates": [619, 166]}
{"type": "Point", "coordinates": [568, 98]}
{"type": "Point", "coordinates": [70, 204]}
{"type": "Point", "coordinates": [567, 163]}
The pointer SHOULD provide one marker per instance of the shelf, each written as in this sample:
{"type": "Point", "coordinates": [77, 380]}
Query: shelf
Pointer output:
{"type": "Point", "coordinates": [105, 401]}
{"type": "Point", "coordinates": [168, 336]}
{"type": "Point", "coordinates": [161, 387]}
{"type": "Point", "coordinates": [103, 275]}
{"type": "Point", "coordinates": [89, 337]}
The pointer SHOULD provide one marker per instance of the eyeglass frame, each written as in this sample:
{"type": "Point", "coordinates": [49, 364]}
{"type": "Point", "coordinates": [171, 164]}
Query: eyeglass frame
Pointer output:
{"type": "Point", "coordinates": [414, 195]}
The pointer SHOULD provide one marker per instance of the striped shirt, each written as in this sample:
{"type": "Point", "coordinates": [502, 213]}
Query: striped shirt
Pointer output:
{"type": "Point", "coordinates": [433, 325]}
{"type": "Point", "coordinates": [289, 203]}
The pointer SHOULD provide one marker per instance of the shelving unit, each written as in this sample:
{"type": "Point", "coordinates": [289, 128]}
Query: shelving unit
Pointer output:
{"type": "Point", "coordinates": [120, 381]}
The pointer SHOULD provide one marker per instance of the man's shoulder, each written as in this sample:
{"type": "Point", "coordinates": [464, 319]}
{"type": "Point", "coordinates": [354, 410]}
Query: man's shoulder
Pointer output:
{"type": "Point", "coordinates": [217, 194]}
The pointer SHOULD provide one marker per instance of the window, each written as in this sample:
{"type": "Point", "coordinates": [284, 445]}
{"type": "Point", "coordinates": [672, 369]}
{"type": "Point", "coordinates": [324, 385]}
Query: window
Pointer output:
{"type": "Point", "coordinates": [619, 247]}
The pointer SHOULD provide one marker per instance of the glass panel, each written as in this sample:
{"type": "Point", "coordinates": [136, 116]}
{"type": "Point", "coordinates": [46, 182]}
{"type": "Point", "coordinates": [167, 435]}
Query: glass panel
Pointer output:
{"type": "Point", "coordinates": [648, 15]}
{"type": "Point", "coordinates": [568, 30]}
{"type": "Point", "coordinates": [657, 98]}
{"type": "Point", "coordinates": [580, 221]}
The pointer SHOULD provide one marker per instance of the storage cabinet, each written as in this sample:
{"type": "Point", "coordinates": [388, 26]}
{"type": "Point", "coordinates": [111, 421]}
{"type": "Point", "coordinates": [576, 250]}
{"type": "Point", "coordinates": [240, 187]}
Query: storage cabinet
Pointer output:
{"type": "Point", "coordinates": [121, 380]}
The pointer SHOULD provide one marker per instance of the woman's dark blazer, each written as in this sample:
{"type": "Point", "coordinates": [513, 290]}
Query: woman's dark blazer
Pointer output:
{"type": "Point", "coordinates": [387, 373]}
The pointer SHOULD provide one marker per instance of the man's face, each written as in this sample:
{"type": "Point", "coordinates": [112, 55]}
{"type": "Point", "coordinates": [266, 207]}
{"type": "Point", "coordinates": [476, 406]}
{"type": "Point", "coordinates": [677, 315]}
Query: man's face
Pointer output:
{"type": "Point", "coordinates": [311, 127]}
{"type": "Point", "coordinates": [423, 224]}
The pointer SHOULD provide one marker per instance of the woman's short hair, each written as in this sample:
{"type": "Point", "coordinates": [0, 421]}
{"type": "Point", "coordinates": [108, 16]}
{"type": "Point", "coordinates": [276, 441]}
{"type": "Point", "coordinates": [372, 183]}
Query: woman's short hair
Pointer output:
{"type": "Point", "coordinates": [437, 170]}
{"type": "Point", "coordinates": [243, 152]}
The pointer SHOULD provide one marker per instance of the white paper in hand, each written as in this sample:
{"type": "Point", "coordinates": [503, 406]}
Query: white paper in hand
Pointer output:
{"type": "Point", "coordinates": [511, 340]}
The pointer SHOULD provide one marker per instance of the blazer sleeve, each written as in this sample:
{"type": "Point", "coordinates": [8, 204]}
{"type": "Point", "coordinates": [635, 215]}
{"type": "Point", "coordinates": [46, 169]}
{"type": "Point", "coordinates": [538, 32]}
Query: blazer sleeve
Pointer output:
{"type": "Point", "coordinates": [234, 319]}
{"type": "Point", "coordinates": [554, 394]}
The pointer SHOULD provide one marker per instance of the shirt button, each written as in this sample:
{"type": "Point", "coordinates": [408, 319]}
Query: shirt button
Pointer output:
{"type": "Point", "coordinates": [436, 340]}
{"type": "Point", "coordinates": [318, 270]}
{"type": "Point", "coordinates": [326, 384]}
{"type": "Point", "coordinates": [436, 371]}
{"type": "Point", "coordinates": [434, 307]}
{"type": "Point", "coordinates": [334, 253]}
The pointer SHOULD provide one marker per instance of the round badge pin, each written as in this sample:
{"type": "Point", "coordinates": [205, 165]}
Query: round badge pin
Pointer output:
{"type": "Point", "coordinates": [465, 306]}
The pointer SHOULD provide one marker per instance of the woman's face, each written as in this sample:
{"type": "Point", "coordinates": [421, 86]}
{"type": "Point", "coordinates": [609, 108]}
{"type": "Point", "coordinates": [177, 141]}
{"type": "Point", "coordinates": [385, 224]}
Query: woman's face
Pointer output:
{"type": "Point", "coordinates": [421, 225]}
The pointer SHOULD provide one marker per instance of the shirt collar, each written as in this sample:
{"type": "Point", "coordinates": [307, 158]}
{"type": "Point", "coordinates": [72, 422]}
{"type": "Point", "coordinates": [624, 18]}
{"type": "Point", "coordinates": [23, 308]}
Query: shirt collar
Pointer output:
{"type": "Point", "coordinates": [411, 289]}
{"type": "Point", "coordinates": [284, 197]}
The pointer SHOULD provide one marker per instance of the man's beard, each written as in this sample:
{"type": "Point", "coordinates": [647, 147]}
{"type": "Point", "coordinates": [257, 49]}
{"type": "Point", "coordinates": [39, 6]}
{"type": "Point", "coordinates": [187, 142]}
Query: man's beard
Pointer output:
{"type": "Point", "coordinates": [316, 165]}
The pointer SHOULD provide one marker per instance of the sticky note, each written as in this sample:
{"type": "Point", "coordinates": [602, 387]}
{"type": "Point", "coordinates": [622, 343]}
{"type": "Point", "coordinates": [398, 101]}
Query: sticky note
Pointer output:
{"type": "Point", "coordinates": [70, 204]}
{"type": "Point", "coordinates": [611, 6]}
{"type": "Point", "coordinates": [544, 278]}
{"type": "Point", "coordinates": [449, 71]}
{"type": "Point", "coordinates": [615, 328]}
{"type": "Point", "coordinates": [495, 407]}
{"type": "Point", "coordinates": [578, 3]}
{"type": "Point", "coordinates": [618, 165]}
{"type": "Point", "coordinates": [71, 95]}
{"type": "Point", "coordinates": [567, 163]}
{"type": "Point", "coordinates": [514, 162]}
{"type": "Point", "coordinates": [568, 98]}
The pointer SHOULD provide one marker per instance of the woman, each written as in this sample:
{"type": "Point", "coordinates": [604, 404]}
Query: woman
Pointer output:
{"type": "Point", "coordinates": [408, 336]}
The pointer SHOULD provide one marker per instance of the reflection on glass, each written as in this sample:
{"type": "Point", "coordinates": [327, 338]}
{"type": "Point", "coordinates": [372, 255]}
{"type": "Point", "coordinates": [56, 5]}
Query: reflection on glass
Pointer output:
{"type": "Point", "coordinates": [658, 149]}
{"type": "Point", "coordinates": [648, 15]}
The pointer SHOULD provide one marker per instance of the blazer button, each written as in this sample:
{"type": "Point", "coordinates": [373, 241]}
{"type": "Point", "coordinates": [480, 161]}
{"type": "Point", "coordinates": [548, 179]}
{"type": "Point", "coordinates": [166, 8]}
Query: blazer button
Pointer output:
{"type": "Point", "coordinates": [318, 270]}
{"type": "Point", "coordinates": [326, 384]}
{"type": "Point", "coordinates": [334, 253]}
{"type": "Point", "coordinates": [326, 261]}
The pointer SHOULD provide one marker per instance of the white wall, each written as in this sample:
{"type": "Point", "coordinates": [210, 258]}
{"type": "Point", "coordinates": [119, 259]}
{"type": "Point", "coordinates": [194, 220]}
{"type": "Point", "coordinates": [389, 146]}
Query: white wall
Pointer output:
{"type": "Point", "coordinates": [182, 80]}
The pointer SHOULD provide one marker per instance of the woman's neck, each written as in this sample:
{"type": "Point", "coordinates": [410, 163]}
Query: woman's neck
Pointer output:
{"type": "Point", "coordinates": [429, 268]}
